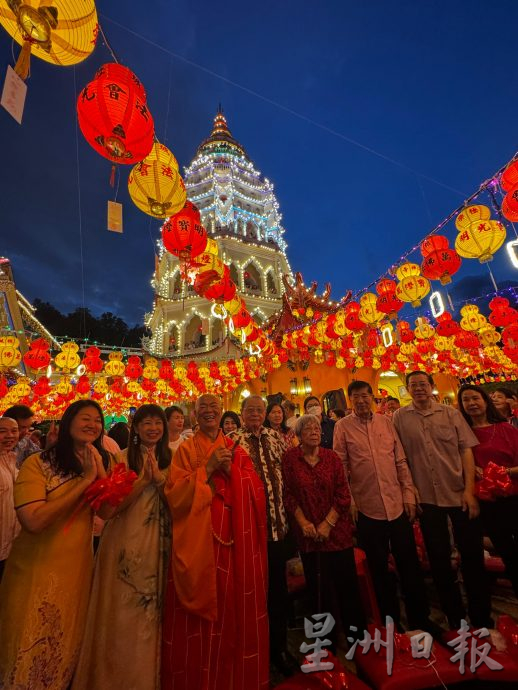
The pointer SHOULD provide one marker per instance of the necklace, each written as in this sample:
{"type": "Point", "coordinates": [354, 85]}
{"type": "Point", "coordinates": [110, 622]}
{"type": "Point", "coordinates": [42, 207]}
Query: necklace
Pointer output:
{"type": "Point", "coordinates": [220, 540]}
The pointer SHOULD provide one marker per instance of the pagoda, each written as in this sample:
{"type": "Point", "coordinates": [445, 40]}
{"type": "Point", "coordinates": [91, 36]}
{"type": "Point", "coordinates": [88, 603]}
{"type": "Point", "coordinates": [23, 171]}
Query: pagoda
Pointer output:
{"type": "Point", "coordinates": [240, 212]}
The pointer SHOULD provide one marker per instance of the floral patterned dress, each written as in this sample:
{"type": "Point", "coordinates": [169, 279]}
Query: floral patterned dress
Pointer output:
{"type": "Point", "coordinates": [121, 646]}
{"type": "Point", "coordinates": [45, 588]}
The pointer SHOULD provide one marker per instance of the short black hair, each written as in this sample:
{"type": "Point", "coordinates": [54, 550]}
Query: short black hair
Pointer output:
{"type": "Point", "coordinates": [230, 414]}
{"type": "Point", "coordinates": [19, 412]}
{"type": "Point", "coordinates": [391, 397]}
{"type": "Point", "coordinates": [173, 408]}
{"type": "Point", "coordinates": [308, 399]}
{"type": "Point", "coordinates": [501, 389]}
{"type": "Point", "coordinates": [418, 373]}
{"type": "Point", "coordinates": [358, 385]}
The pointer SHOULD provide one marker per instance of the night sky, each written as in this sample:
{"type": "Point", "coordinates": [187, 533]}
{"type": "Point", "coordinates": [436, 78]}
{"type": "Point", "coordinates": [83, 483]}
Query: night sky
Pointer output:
{"type": "Point", "coordinates": [429, 84]}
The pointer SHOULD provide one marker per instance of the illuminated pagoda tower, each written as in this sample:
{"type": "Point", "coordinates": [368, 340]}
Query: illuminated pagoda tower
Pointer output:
{"type": "Point", "coordinates": [239, 210]}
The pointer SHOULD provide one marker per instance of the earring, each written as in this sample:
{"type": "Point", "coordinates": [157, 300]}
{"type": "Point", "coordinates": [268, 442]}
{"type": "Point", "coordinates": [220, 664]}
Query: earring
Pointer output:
{"type": "Point", "coordinates": [135, 440]}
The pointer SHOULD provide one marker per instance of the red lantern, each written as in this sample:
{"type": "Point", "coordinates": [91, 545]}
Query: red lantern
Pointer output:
{"type": "Point", "coordinates": [83, 385]}
{"type": "Point", "coordinates": [406, 334]}
{"type": "Point", "coordinates": [42, 386]}
{"type": "Point", "coordinates": [508, 209]}
{"type": "Point", "coordinates": [352, 319]}
{"type": "Point", "coordinates": [113, 115]}
{"type": "Point", "coordinates": [183, 234]}
{"type": "Point", "coordinates": [446, 326]}
{"type": "Point", "coordinates": [92, 360]}
{"type": "Point", "coordinates": [37, 356]}
{"type": "Point", "coordinates": [133, 368]}
{"type": "Point", "coordinates": [501, 313]}
{"type": "Point", "coordinates": [440, 262]}
{"type": "Point", "coordinates": [509, 179]}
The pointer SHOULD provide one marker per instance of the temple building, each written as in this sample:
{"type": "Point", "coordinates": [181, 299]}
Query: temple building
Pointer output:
{"type": "Point", "coordinates": [240, 212]}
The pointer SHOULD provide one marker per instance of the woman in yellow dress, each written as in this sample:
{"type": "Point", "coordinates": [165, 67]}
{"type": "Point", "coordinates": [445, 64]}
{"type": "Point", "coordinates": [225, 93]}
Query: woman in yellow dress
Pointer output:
{"type": "Point", "coordinates": [46, 584]}
{"type": "Point", "coordinates": [122, 640]}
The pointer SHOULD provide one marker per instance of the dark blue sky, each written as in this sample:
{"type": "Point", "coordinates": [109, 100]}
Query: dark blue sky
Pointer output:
{"type": "Point", "coordinates": [430, 84]}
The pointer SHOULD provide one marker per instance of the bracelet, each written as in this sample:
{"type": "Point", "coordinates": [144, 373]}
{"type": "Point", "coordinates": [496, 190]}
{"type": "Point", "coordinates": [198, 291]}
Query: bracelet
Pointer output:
{"type": "Point", "coordinates": [331, 524]}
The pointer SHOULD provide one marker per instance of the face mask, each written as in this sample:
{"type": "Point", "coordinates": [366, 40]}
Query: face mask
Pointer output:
{"type": "Point", "coordinates": [315, 409]}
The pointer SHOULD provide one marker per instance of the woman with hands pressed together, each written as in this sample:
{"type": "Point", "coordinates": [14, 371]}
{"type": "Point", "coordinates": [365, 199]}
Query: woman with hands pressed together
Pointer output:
{"type": "Point", "coordinates": [121, 647]}
{"type": "Point", "coordinates": [317, 499]}
{"type": "Point", "coordinates": [46, 584]}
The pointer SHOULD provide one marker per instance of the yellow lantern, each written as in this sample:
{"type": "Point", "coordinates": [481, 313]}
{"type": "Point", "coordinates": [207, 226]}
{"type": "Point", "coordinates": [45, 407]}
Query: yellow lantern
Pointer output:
{"type": "Point", "coordinates": [101, 386]}
{"type": "Point", "coordinates": [489, 335]}
{"type": "Point", "coordinates": [59, 31]}
{"type": "Point", "coordinates": [340, 363]}
{"type": "Point", "coordinates": [63, 387]}
{"type": "Point", "coordinates": [479, 237]}
{"type": "Point", "coordinates": [114, 366]}
{"type": "Point", "coordinates": [412, 286]}
{"type": "Point", "coordinates": [442, 343]}
{"type": "Point", "coordinates": [10, 355]}
{"type": "Point", "coordinates": [369, 314]}
{"type": "Point", "coordinates": [21, 389]}
{"type": "Point", "coordinates": [423, 330]}
{"type": "Point", "coordinates": [151, 370]}
{"type": "Point", "coordinates": [155, 185]}
{"type": "Point", "coordinates": [472, 319]}
{"type": "Point", "coordinates": [318, 356]}
{"type": "Point", "coordinates": [68, 358]}
{"type": "Point", "coordinates": [211, 247]}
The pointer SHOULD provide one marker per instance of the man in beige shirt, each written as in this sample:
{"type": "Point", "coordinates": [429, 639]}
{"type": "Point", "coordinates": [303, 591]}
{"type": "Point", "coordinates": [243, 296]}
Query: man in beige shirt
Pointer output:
{"type": "Point", "coordinates": [384, 504]}
{"type": "Point", "coordinates": [438, 443]}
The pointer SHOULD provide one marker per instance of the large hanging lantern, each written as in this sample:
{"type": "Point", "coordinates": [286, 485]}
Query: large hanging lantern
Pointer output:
{"type": "Point", "coordinates": [472, 319]}
{"type": "Point", "coordinates": [183, 234]}
{"type": "Point", "coordinates": [479, 237]}
{"type": "Point", "coordinates": [440, 262]}
{"type": "Point", "coordinates": [412, 286]}
{"type": "Point", "coordinates": [59, 31]}
{"type": "Point", "coordinates": [509, 179]}
{"type": "Point", "coordinates": [369, 313]}
{"type": "Point", "coordinates": [155, 184]}
{"type": "Point", "coordinates": [387, 302]}
{"type": "Point", "coordinates": [114, 117]}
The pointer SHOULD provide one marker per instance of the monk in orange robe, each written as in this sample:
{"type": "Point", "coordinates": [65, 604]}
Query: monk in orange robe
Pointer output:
{"type": "Point", "coordinates": [215, 629]}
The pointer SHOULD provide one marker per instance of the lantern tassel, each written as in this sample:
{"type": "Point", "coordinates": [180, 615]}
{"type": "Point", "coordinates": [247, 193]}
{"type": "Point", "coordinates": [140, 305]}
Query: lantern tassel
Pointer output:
{"type": "Point", "coordinates": [112, 176]}
{"type": "Point", "coordinates": [24, 61]}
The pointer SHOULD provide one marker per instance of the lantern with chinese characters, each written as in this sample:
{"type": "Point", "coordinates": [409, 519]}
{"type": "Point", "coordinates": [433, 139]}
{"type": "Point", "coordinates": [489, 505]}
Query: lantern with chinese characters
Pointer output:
{"type": "Point", "coordinates": [472, 319]}
{"type": "Point", "coordinates": [155, 184]}
{"type": "Point", "coordinates": [37, 357]}
{"type": "Point", "coordinates": [488, 335]}
{"type": "Point", "coordinates": [114, 366]}
{"type": "Point", "coordinates": [10, 355]}
{"type": "Point", "coordinates": [406, 334]}
{"type": "Point", "coordinates": [352, 318]}
{"type": "Point", "coordinates": [83, 385]}
{"type": "Point", "coordinates": [151, 370]}
{"type": "Point", "coordinates": [369, 314]}
{"type": "Point", "coordinates": [439, 262]}
{"type": "Point", "coordinates": [479, 237]}
{"type": "Point", "coordinates": [412, 286]}
{"type": "Point", "coordinates": [502, 314]}
{"type": "Point", "coordinates": [113, 115]}
{"type": "Point", "coordinates": [133, 368]}
{"type": "Point", "coordinates": [423, 330]}
{"type": "Point", "coordinates": [92, 360]}
{"type": "Point", "coordinates": [509, 207]}
{"type": "Point", "coordinates": [63, 32]}
{"type": "Point", "coordinates": [68, 358]}
{"type": "Point", "coordinates": [387, 302]}
{"type": "Point", "coordinates": [183, 234]}
{"type": "Point", "coordinates": [446, 326]}
{"type": "Point", "coordinates": [209, 270]}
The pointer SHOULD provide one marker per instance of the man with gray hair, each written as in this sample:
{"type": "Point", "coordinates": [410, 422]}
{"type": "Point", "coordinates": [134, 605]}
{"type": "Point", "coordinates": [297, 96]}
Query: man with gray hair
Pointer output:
{"type": "Point", "coordinates": [266, 447]}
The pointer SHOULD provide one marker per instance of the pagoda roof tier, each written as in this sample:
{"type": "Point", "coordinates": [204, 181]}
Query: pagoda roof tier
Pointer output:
{"type": "Point", "coordinates": [299, 298]}
{"type": "Point", "coordinates": [221, 139]}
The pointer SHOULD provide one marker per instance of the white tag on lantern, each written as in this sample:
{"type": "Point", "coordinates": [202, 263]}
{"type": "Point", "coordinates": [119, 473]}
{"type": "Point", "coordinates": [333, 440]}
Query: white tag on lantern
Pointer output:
{"type": "Point", "coordinates": [13, 95]}
{"type": "Point", "coordinates": [114, 216]}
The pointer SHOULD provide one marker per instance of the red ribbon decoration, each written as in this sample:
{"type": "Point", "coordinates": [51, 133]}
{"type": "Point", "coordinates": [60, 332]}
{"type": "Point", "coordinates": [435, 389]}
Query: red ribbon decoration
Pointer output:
{"type": "Point", "coordinates": [509, 630]}
{"type": "Point", "coordinates": [495, 482]}
{"type": "Point", "coordinates": [112, 489]}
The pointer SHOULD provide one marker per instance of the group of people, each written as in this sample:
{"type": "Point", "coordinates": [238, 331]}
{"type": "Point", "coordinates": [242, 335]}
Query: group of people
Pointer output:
{"type": "Point", "coordinates": [188, 589]}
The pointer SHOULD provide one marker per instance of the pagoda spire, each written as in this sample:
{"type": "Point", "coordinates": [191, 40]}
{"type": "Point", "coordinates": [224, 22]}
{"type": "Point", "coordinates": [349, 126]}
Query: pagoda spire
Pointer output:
{"type": "Point", "coordinates": [221, 139]}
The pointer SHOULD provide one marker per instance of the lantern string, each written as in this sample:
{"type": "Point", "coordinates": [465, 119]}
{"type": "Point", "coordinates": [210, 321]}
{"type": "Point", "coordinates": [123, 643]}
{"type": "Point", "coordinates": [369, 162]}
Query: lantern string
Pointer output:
{"type": "Point", "coordinates": [168, 99]}
{"type": "Point", "coordinates": [488, 184]}
{"type": "Point", "coordinates": [285, 108]}
{"type": "Point", "coordinates": [80, 219]}
{"type": "Point", "coordinates": [107, 44]}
